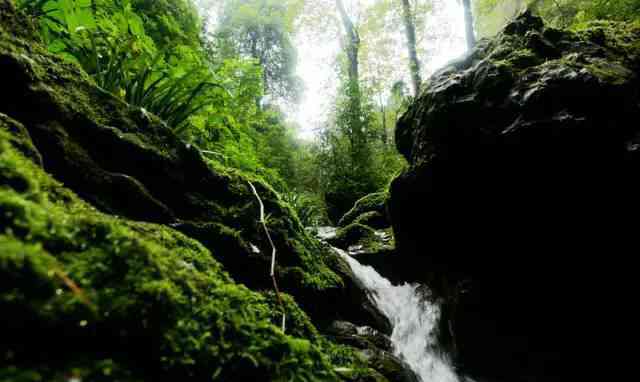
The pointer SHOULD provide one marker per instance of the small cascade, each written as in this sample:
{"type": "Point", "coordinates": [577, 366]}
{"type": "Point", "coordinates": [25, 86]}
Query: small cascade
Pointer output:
{"type": "Point", "coordinates": [414, 321]}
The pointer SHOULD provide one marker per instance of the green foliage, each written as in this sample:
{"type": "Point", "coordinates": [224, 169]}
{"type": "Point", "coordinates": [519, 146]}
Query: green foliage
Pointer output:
{"type": "Point", "coordinates": [170, 22]}
{"type": "Point", "coordinates": [174, 99]}
{"type": "Point", "coordinates": [373, 202]}
{"type": "Point", "coordinates": [356, 156]}
{"type": "Point", "coordinates": [261, 29]}
{"type": "Point", "coordinates": [150, 54]}
{"type": "Point", "coordinates": [492, 15]}
{"type": "Point", "coordinates": [307, 207]}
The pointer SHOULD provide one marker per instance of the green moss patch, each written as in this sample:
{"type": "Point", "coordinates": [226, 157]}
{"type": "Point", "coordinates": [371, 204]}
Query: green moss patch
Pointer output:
{"type": "Point", "coordinates": [370, 203]}
{"type": "Point", "coordinates": [93, 288]}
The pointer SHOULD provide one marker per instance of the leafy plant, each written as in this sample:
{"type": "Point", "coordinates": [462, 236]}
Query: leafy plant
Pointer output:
{"type": "Point", "coordinates": [39, 9]}
{"type": "Point", "coordinates": [309, 211]}
{"type": "Point", "coordinates": [174, 99]}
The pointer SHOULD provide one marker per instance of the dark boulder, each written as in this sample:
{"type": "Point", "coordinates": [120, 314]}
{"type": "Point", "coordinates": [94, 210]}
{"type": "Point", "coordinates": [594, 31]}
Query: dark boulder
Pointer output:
{"type": "Point", "coordinates": [524, 172]}
{"type": "Point", "coordinates": [361, 337]}
{"type": "Point", "coordinates": [392, 367]}
{"type": "Point", "coordinates": [356, 304]}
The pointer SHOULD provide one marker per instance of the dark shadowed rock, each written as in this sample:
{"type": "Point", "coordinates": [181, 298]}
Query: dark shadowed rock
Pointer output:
{"type": "Point", "coordinates": [362, 337]}
{"type": "Point", "coordinates": [392, 367]}
{"type": "Point", "coordinates": [524, 173]}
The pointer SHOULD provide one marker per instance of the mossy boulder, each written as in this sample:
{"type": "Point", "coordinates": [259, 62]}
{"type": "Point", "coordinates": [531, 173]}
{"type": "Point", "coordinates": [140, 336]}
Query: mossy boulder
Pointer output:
{"type": "Point", "coordinates": [376, 349]}
{"type": "Point", "coordinates": [373, 219]}
{"type": "Point", "coordinates": [125, 254]}
{"type": "Point", "coordinates": [524, 157]}
{"type": "Point", "coordinates": [392, 367]}
{"type": "Point", "coordinates": [128, 163]}
{"type": "Point", "coordinates": [370, 210]}
{"type": "Point", "coordinates": [352, 234]}
{"type": "Point", "coordinates": [360, 239]}
{"type": "Point", "coordinates": [96, 296]}
{"type": "Point", "coordinates": [361, 337]}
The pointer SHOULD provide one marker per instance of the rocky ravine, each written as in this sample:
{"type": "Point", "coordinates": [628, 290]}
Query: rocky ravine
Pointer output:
{"type": "Point", "coordinates": [516, 208]}
{"type": "Point", "coordinates": [125, 255]}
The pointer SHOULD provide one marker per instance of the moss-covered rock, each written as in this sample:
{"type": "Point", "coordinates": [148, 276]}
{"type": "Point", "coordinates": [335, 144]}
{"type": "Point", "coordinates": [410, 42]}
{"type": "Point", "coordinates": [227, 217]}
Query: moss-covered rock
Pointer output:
{"type": "Point", "coordinates": [353, 234]}
{"type": "Point", "coordinates": [96, 290]}
{"type": "Point", "coordinates": [373, 219]}
{"type": "Point", "coordinates": [358, 238]}
{"type": "Point", "coordinates": [126, 162]}
{"type": "Point", "coordinates": [367, 205]}
{"type": "Point", "coordinates": [116, 238]}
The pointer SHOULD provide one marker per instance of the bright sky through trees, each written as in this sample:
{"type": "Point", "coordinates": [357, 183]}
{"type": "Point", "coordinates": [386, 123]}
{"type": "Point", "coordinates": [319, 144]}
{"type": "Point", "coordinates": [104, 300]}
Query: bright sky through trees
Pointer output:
{"type": "Point", "coordinates": [441, 40]}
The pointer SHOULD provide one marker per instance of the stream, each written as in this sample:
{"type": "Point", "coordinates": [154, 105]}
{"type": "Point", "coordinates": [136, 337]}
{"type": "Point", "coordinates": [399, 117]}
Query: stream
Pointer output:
{"type": "Point", "coordinates": [414, 319]}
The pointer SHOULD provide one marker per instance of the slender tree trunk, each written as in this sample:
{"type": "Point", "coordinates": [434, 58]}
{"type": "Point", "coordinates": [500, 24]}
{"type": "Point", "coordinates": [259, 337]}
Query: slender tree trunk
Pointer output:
{"type": "Point", "coordinates": [353, 43]}
{"type": "Point", "coordinates": [410, 31]}
{"type": "Point", "coordinates": [356, 135]}
{"type": "Point", "coordinates": [383, 111]}
{"type": "Point", "coordinates": [468, 23]}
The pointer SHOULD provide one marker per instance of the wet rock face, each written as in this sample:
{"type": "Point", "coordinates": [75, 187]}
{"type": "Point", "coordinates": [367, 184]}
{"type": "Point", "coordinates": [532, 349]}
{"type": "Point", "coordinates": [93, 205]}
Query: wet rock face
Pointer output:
{"type": "Point", "coordinates": [375, 347]}
{"type": "Point", "coordinates": [524, 160]}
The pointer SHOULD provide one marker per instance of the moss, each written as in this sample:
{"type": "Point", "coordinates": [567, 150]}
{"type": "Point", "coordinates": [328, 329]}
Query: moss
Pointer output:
{"type": "Point", "coordinates": [15, 133]}
{"type": "Point", "coordinates": [155, 177]}
{"type": "Point", "coordinates": [105, 370]}
{"type": "Point", "coordinates": [519, 59]}
{"type": "Point", "coordinates": [354, 234]}
{"type": "Point", "coordinates": [354, 366]}
{"type": "Point", "coordinates": [97, 284]}
{"type": "Point", "coordinates": [297, 322]}
{"type": "Point", "coordinates": [19, 26]}
{"type": "Point", "coordinates": [74, 278]}
{"type": "Point", "coordinates": [373, 219]}
{"type": "Point", "coordinates": [610, 72]}
{"type": "Point", "coordinates": [372, 202]}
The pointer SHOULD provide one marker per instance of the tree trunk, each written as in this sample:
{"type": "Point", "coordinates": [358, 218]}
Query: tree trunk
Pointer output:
{"type": "Point", "coordinates": [410, 31]}
{"type": "Point", "coordinates": [385, 135]}
{"type": "Point", "coordinates": [356, 135]}
{"type": "Point", "coordinates": [353, 43]}
{"type": "Point", "coordinates": [468, 23]}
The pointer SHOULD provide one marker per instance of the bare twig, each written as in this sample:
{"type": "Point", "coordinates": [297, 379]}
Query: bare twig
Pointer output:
{"type": "Point", "coordinates": [272, 272]}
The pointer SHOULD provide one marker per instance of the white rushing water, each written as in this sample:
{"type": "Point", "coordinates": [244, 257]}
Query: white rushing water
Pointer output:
{"type": "Point", "coordinates": [414, 321]}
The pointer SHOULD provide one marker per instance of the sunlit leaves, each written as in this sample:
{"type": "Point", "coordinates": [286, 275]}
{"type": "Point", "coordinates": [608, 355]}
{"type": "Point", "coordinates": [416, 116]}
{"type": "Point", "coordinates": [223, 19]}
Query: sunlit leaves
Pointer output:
{"type": "Point", "coordinates": [494, 14]}
{"type": "Point", "coordinates": [261, 29]}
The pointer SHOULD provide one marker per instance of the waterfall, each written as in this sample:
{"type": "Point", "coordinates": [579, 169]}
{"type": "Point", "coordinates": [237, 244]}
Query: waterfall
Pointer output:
{"type": "Point", "coordinates": [414, 321]}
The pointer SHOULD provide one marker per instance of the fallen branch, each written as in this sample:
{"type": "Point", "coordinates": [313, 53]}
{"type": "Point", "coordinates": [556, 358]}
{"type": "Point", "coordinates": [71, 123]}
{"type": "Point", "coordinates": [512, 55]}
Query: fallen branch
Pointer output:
{"type": "Point", "coordinates": [272, 273]}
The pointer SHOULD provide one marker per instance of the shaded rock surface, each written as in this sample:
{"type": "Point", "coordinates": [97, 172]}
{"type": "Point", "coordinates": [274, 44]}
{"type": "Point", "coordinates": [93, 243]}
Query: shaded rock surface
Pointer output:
{"type": "Point", "coordinates": [376, 349]}
{"type": "Point", "coordinates": [523, 171]}
{"type": "Point", "coordinates": [365, 232]}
